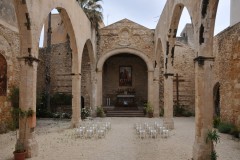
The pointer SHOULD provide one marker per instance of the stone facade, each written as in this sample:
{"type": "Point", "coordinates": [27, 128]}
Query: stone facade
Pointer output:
{"type": "Point", "coordinates": [226, 69]}
{"type": "Point", "coordinates": [126, 33]}
{"type": "Point", "coordinates": [9, 50]}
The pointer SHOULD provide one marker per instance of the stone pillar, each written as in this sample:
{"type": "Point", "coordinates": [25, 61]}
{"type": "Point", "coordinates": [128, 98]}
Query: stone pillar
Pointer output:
{"type": "Point", "coordinates": [99, 88]}
{"type": "Point", "coordinates": [155, 92]}
{"type": "Point", "coordinates": [204, 107]}
{"type": "Point", "coordinates": [168, 101]}
{"type": "Point", "coordinates": [28, 81]}
{"type": "Point", "coordinates": [76, 100]}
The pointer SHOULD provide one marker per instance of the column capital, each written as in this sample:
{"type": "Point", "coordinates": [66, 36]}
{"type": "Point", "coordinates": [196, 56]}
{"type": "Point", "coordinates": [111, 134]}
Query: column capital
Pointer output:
{"type": "Point", "coordinates": [29, 59]}
{"type": "Point", "coordinates": [168, 74]}
{"type": "Point", "coordinates": [201, 59]}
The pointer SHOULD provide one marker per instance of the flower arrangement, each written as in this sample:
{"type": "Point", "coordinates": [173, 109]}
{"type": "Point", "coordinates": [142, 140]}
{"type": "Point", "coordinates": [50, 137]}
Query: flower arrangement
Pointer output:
{"type": "Point", "coordinates": [85, 112]}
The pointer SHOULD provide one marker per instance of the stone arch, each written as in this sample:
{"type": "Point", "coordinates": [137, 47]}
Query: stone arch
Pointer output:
{"type": "Point", "coordinates": [216, 99]}
{"type": "Point", "coordinates": [151, 97]}
{"type": "Point", "coordinates": [31, 16]}
{"type": "Point", "coordinates": [172, 32]}
{"type": "Point", "coordinates": [125, 50]}
{"type": "Point", "coordinates": [3, 75]}
{"type": "Point", "coordinates": [87, 66]}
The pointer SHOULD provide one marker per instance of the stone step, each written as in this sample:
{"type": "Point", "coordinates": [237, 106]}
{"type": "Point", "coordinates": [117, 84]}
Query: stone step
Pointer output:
{"type": "Point", "coordinates": [125, 113]}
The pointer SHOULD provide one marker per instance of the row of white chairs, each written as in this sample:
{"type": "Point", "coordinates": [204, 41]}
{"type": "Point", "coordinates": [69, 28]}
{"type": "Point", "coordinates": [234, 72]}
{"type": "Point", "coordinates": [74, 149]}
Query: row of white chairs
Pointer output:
{"type": "Point", "coordinates": [149, 130]}
{"type": "Point", "coordinates": [91, 130]}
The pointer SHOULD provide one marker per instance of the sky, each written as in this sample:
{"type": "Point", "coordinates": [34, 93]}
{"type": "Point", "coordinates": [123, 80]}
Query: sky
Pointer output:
{"type": "Point", "coordinates": [147, 14]}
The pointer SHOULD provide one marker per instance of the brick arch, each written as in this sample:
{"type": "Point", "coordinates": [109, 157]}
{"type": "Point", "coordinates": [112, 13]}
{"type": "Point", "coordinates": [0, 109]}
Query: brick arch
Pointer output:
{"type": "Point", "coordinates": [102, 60]}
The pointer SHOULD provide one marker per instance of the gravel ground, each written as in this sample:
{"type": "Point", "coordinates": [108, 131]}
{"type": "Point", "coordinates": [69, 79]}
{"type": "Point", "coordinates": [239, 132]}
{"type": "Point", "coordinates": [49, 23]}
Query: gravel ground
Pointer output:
{"type": "Point", "coordinates": [57, 141]}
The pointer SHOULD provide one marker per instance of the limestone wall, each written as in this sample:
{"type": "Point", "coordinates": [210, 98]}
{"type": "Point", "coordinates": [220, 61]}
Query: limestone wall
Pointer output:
{"type": "Point", "coordinates": [60, 69]}
{"type": "Point", "coordinates": [226, 72]}
{"type": "Point", "coordinates": [9, 50]}
{"type": "Point", "coordinates": [184, 67]}
{"type": "Point", "coordinates": [59, 33]}
{"type": "Point", "coordinates": [126, 33]}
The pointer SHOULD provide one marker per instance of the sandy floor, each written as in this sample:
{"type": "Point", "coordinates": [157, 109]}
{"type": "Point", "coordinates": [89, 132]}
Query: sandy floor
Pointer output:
{"type": "Point", "coordinates": [57, 142]}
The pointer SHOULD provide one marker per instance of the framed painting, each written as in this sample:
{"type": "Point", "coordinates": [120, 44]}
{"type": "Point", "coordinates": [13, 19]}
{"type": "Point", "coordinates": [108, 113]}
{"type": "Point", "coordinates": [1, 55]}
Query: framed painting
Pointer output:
{"type": "Point", "coordinates": [125, 76]}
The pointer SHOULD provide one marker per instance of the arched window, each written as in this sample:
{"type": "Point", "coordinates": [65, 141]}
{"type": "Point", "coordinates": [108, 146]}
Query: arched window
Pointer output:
{"type": "Point", "coordinates": [3, 75]}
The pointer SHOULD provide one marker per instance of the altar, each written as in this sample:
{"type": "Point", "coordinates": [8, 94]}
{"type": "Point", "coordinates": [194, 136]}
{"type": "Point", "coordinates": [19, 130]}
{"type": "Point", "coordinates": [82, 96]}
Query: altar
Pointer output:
{"type": "Point", "coordinates": [125, 100]}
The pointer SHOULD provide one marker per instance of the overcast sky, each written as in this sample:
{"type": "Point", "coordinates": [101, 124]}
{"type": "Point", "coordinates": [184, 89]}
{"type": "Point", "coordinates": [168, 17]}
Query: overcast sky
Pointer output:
{"type": "Point", "coordinates": [147, 13]}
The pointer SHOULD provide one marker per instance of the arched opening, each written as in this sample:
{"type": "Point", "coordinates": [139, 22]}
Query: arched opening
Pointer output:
{"type": "Point", "coordinates": [86, 74]}
{"type": "Point", "coordinates": [125, 80]}
{"type": "Point", "coordinates": [216, 99]}
{"type": "Point", "coordinates": [54, 79]}
{"type": "Point", "coordinates": [3, 75]}
{"type": "Point", "coordinates": [179, 61]}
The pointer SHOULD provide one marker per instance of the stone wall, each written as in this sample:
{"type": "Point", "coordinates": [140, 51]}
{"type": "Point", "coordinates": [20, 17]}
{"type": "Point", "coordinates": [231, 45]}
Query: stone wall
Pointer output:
{"type": "Point", "coordinates": [126, 33]}
{"type": "Point", "coordinates": [111, 75]}
{"type": "Point", "coordinates": [184, 67]}
{"type": "Point", "coordinates": [226, 72]}
{"type": "Point", "coordinates": [9, 50]}
{"type": "Point", "coordinates": [60, 69]}
{"type": "Point", "coordinates": [59, 33]}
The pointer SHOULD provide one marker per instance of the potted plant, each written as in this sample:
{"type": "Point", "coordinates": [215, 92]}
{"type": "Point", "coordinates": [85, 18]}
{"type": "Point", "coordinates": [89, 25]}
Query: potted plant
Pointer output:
{"type": "Point", "coordinates": [20, 150]}
{"type": "Point", "coordinates": [100, 112]}
{"type": "Point", "coordinates": [149, 110]}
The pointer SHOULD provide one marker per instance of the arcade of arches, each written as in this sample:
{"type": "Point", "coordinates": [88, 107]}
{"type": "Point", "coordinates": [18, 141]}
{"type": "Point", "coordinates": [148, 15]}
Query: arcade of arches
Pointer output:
{"type": "Point", "coordinates": [126, 60]}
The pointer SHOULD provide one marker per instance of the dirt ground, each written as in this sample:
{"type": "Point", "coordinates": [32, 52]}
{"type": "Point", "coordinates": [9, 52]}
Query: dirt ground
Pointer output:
{"type": "Point", "coordinates": [56, 141]}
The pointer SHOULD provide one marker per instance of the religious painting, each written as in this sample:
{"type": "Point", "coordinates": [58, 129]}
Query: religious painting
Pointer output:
{"type": "Point", "coordinates": [3, 76]}
{"type": "Point", "coordinates": [125, 76]}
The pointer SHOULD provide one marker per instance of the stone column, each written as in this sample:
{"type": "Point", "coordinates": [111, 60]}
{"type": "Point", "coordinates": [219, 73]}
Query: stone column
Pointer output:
{"type": "Point", "coordinates": [168, 100]}
{"type": "Point", "coordinates": [155, 92]}
{"type": "Point", "coordinates": [76, 100]}
{"type": "Point", "coordinates": [203, 107]}
{"type": "Point", "coordinates": [28, 81]}
{"type": "Point", "coordinates": [99, 88]}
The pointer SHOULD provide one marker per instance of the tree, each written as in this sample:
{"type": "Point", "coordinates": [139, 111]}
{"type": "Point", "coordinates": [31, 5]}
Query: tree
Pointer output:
{"type": "Point", "coordinates": [93, 10]}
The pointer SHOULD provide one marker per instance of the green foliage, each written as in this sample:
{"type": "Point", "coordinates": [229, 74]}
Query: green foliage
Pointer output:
{"type": "Point", "coordinates": [19, 147]}
{"type": "Point", "coordinates": [213, 136]}
{"type": "Point", "coordinates": [235, 132]}
{"type": "Point", "coordinates": [180, 111]}
{"type": "Point", "coordinates": [161, 112]}
{"type": "Point", "coordinates": [216, 121]}
{"type": "Point", "coordinates": [93, 10]}
{"type": "Point", "coordinates": [14, 97]}
{"type": "Point", "coordinates": [85, 112]}
{"type": "Point", "coordinates": [225, 127]}
{"type": "Point", "coordinates": [61, 99]}
{"type": "Point", "coordinates": [100, 112]}
{"type": "Point", "coordinates": [149, 108]}
{"type": "Point", "coordinates": [214, 155]}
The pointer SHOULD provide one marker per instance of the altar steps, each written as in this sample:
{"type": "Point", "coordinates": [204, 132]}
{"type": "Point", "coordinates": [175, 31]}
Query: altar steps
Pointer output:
{"type": "Point", "coordinates": [125, 113]}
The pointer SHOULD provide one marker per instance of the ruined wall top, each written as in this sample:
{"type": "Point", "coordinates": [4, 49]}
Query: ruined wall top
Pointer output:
{"type": "Point", "coordinates": [126, 34]}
